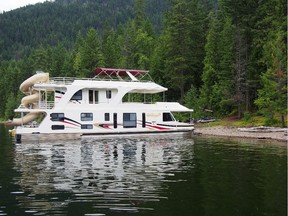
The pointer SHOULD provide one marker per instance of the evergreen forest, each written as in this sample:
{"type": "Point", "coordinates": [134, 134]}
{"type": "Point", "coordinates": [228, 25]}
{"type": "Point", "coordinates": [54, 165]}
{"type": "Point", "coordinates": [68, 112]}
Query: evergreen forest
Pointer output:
{"type": "Point", "coordinates": [225, 56]}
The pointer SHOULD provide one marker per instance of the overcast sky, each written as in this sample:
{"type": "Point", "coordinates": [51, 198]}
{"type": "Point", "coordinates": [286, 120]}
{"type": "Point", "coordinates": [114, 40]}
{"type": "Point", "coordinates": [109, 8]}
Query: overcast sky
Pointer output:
{"type": "Point", "coordinates": [7, 5]}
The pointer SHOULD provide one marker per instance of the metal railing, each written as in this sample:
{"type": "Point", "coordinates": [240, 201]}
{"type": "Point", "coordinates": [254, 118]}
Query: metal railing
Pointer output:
{"type": "Point", "coordinates": [46, 105]}
{"type": "Point", "coordinates": [70, 80]}
{"type": "Point", "coordinates": [62, 80]}
{"type": "Point", "coordinates": [41, 105]}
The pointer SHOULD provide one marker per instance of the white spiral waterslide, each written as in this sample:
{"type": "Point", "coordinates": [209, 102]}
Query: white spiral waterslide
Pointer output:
{"type": "Point", "coordinates": [28, 101]}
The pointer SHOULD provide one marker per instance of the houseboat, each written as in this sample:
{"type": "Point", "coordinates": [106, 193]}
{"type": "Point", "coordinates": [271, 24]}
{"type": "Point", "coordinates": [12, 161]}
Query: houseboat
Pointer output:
{"type": "Point", "coordinates": [112, 102]}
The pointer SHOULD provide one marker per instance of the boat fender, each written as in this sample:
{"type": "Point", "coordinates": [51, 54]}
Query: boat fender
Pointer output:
{"type": "Point", "coordinates": [13, 132]}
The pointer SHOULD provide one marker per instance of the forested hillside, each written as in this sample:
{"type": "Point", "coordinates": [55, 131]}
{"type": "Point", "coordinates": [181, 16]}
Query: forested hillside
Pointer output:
{"type": "Point", "coordinates": [61, 20]}
{"type": "Point", "coordinates": [226, 56]}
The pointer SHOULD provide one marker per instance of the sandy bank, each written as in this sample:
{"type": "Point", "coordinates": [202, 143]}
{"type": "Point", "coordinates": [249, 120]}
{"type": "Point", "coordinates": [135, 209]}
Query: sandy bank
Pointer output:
{"type": "Point", "coordinates": [228, 131]}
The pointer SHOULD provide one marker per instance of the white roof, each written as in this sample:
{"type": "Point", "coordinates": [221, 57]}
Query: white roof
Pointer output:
{"type": "Point", "coordinates": [173, 107]}
{"type": "Point", "coordinates": [130, 87]}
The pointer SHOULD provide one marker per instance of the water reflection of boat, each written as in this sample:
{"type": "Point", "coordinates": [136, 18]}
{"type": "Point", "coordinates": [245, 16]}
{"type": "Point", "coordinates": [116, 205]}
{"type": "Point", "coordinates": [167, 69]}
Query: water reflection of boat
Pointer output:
{"type": "Point", "coordinates": [113, 173]}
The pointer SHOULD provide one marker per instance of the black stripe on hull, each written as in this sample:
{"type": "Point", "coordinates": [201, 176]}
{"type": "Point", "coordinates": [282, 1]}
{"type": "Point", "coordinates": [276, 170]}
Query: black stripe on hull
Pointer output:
{"type": "Point", "coordinates": [138, 132]}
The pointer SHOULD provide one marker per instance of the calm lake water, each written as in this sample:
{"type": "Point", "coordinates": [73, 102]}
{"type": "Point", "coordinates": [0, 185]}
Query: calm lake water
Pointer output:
{"type": "Point", "coordinates": [143, 176]}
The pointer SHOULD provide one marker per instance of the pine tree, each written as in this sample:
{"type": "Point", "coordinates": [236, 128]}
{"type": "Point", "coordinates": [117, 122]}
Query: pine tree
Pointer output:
{"type": "Point", "coordinates": [211, 65]}
{"type": "Point", "coordinates": [272, 97]}
{"type": "Point", "coordinates": [128, 41]}
{"type": "Point", "coordinates": [185, 31]}
{"type": "Point", "coordinates": [244, 19]}
{"type": "Point", "coordinates": [137, 39]}
{"type": "Point", "coordinates": [178, 45]}
{"type": "Point", "coordinates": [226, 71]}
{"type": "Point", "coordinates": [143, 48]}
{"type": "Point", "coordinates": [41, 59]}
{"type": "Point", "coordinates": [91, 55]}
{"type": "Point", "coordinates": [158, 63]}
{"type": "Point", "coordinates": [57, 60]}
{"type": "Point", "coordinates": [111, 50]}
{"type": "Point", "coordinates": [67, 68]}
{"type": "Point", "coordinates": [217, 90]}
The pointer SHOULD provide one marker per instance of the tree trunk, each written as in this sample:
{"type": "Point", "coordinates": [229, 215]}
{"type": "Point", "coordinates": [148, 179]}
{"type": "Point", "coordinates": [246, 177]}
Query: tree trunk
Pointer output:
{"type": "Point", "coordinates": [182, 92]}
{"type": "Point", "coordinates": [240, 71]}
{"type": "Point", "coordinates": [283, 121]}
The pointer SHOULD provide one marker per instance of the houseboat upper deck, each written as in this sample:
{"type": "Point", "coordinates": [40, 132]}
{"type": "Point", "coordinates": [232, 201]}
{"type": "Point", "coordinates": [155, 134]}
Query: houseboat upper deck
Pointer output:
{"type": "Point", "coordinates": [113, 101]}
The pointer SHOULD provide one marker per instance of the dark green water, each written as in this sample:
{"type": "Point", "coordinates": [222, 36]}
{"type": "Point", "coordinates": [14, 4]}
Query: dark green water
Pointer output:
{"type": "Point", "coordinates": [143, 176]}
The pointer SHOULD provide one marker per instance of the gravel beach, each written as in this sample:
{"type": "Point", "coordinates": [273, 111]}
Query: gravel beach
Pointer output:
{"type": "Point", "coordinates": [229, 131]}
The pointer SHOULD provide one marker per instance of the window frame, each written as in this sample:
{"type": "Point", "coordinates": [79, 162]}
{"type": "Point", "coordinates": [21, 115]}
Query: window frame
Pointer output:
{"type": "Point", "coordinates": [93, 96]}
{"type": "Point", "coordinates": [86, 116]}
{"type": "Point", "coordinates": [106, 116]}
{"type": "Point", "coordinates": [129, 120]}
{"type": "Point", "coordinates": [57, 127]}
{"type": "Point", "coordinates": [165, 117]}
{"type": "Point", "coordinates": [108, 94]}
{"type": "Point", "coordinates": [87, 126]}
{"type": "Point", "coordinates": [57, 116]}
{"type": "Point", "coordinates": [77, 96]}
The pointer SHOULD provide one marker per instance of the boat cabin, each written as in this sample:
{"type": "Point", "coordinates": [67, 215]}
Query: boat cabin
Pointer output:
{"type": "Point", "coordinates": [112, 101]}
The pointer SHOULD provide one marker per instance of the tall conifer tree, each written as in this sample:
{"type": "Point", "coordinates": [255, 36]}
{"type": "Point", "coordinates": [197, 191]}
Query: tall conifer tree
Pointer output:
{"type": "Point", "coordinates": [91, 53]}
{"type": "Point", "coordinates": [185, 31]}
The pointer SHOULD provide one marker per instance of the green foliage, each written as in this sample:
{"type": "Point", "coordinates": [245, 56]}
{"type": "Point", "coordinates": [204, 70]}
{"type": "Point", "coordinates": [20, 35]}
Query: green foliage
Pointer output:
{"type": "Point", "coordinates": [272, 97]}
{"type": "Point", "coordinates": [184, 37]}
{"type": "Point", "coordinates": [191, 100]}
{"type": "Point", "coordinates": [216, 93]}
{"type": "Point", "coordinates": [111, 50]}
{"type": "Point", "coordinates": [10, 106]}
{"type": "Point", "coordinates": [247, 116]}
{"type": "Point", "coordinates": [61, 20]}
{"type": "Point", "coordinates": [228, 57]}
{"type": "Point", "coordinates": [90, 53]}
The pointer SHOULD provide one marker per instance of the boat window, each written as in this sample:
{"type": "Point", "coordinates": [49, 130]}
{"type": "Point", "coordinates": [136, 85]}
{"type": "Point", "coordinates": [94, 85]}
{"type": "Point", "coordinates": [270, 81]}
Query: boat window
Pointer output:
{"type": "Point", "coordinates": [108, 94]}
{"type": "Point", "coordinates": [129, 120]}
{"type": "Point", "coordinates": [86, 116]}
{"type": "Point", "coordinates": [115, 124]}
{"type": "Point", "coordinates": [96, 93]}
{"type": "Point", "coordinates": [57, 127]}
{"type": "Point", "coordinates": [91, 101]}
{"type": "Point", "coordinates": [77, 95]}
{"type": "Point", "coordinates": [167, 117]}
{"type": "Point", "coordinates": [86, 126]}
{"type": "Point", "coordinates": [107, 116]}
{"type": "Point", "coordinates": [93, 97]}
{"type": "Point", "coordinates": [57, 116]}
{"type": "Point", "coordinates": [143, 120]}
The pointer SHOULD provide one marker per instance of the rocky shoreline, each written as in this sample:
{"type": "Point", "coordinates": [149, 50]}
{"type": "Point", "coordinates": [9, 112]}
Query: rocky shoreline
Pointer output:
{"type": "Point", "coordinates": [230, 131]}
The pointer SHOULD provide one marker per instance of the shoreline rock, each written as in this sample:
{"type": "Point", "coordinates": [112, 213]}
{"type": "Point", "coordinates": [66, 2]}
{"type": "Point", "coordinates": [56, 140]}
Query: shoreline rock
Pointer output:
{"type": "Point", "coordinates": [229, 131]}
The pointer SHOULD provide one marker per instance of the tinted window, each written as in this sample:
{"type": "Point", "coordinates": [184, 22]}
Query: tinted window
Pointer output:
{"type": "Point", "coordinates": [57, 127]}
{"type": "Point", "coordinates": [107, 117]}
{"type": "Point", "coordinates": [86, 126]}
{"type": "Point", "coordinates": [115, 120]}
{"type": "Point", "coordinates": [86, 116]}
{"type": "Point", "coordinates": [108, 94]}
{"type": "Point", "coordinates": [77, 95]}
{"type": "Point", "coordinates": [57, 116]}
{"type": "Point", "coordinates": [93, 96]}
{"type": "Point", "coordinates": [167, 117]}
{"type": "Point", "coordinates": [143, 120]}
{"type": "Point", "coordinates": [129, 120]}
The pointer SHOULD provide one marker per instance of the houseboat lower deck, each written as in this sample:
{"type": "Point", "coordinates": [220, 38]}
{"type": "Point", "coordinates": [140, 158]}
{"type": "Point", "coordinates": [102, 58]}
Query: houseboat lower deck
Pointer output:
{"type": "Point", "coordinates": [72, 107]}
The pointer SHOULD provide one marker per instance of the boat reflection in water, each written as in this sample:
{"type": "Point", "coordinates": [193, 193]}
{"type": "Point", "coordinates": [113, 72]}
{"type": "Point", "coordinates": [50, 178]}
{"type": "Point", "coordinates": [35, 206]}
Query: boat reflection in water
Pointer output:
{"type": "Point", "coordinates": [124, 174]}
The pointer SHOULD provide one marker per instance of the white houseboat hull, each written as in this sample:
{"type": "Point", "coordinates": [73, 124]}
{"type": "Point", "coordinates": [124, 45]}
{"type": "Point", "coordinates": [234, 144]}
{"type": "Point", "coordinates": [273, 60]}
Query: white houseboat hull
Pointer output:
{"type": "Point", "coordinates": [93, 107]}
